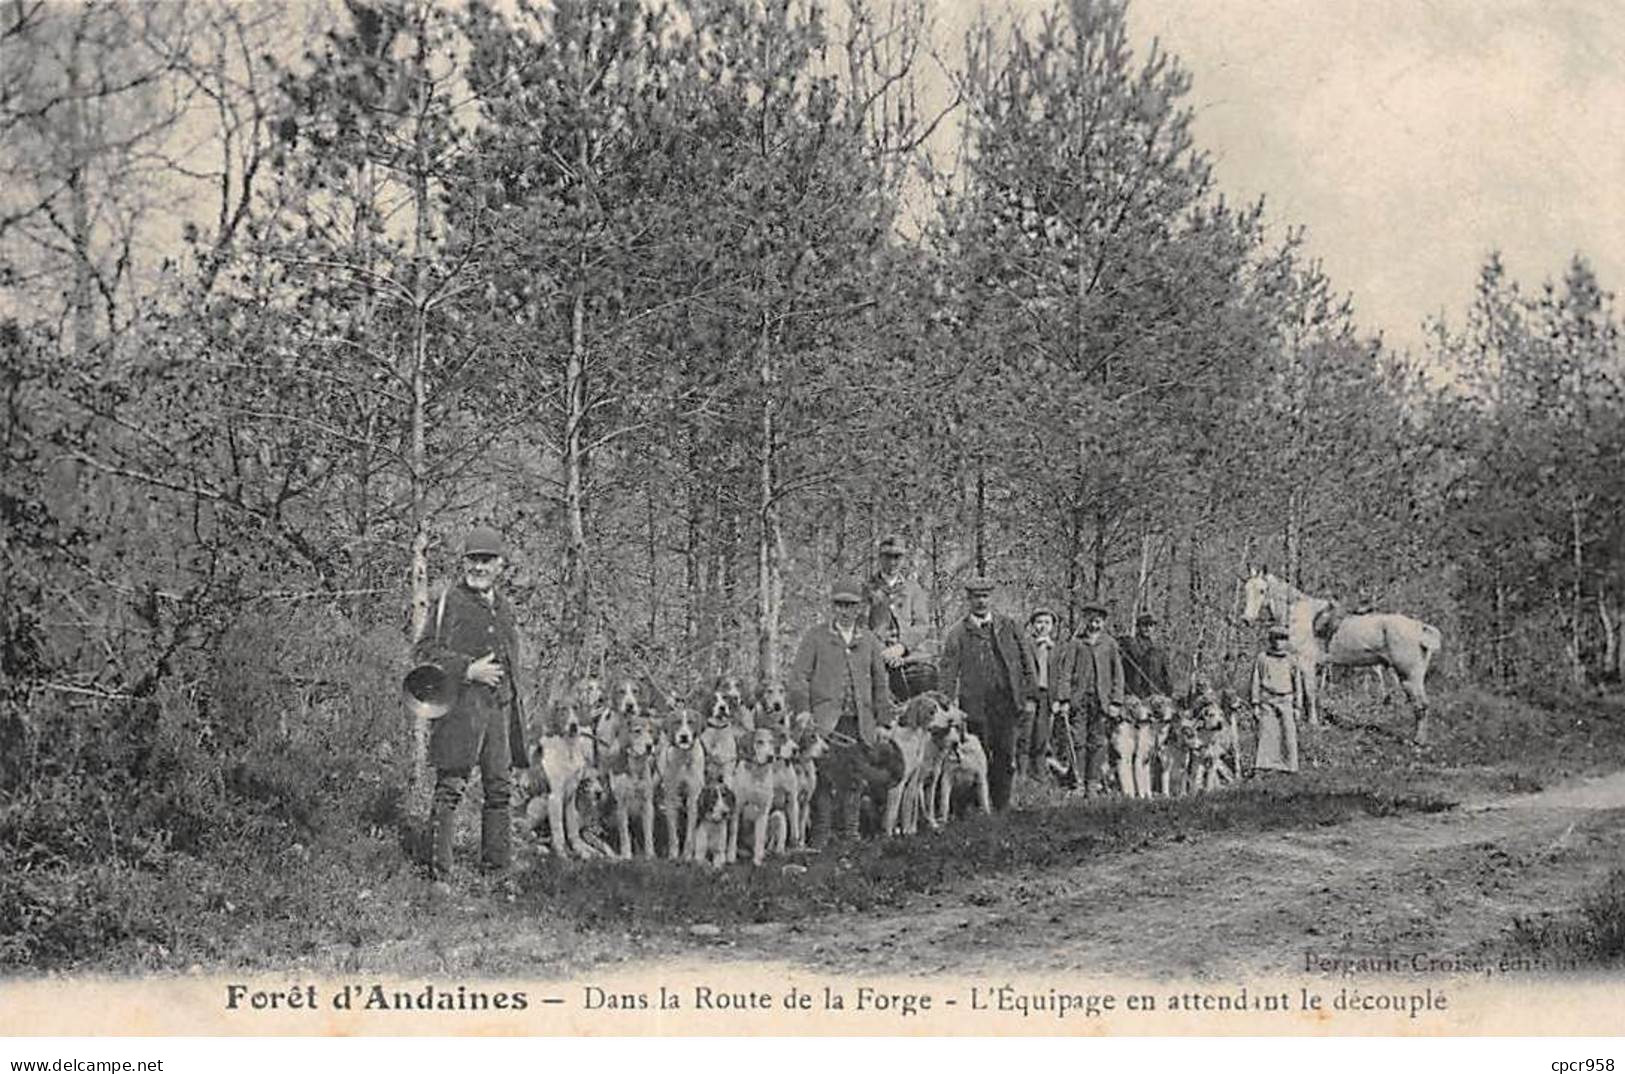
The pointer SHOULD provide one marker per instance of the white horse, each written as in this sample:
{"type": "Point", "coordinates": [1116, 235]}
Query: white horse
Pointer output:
{"type": "Point", "coordinates": [1373, 640]}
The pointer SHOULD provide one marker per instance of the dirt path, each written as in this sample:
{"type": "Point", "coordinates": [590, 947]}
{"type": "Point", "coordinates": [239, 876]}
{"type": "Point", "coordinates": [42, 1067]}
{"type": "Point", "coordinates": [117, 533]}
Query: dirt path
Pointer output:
{"type": "Point", "coordinates": [1447, 884]}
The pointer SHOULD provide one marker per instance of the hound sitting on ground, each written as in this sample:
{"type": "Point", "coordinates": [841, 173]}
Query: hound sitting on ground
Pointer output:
{"type": "Point", "coordinates": [681, 763]}
{"type": "Point", "coordinates": [966, 765]}
{"type": "Point", "coordinates": [1177, 755]}
{"type": "Point", "coordinates": [562, 758]}
{"type": "Point", "coordinates": [754, 787]}
{"type": "Point", "coordinates": [716, 808]}
{"type": "Point", "coordinates": [632, 780]}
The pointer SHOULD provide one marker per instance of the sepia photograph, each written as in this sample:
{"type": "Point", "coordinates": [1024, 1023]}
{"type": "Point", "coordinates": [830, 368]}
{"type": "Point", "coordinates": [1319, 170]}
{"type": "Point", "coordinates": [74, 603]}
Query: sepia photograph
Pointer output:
{"type": "Point", "coordinates": [812, 518]}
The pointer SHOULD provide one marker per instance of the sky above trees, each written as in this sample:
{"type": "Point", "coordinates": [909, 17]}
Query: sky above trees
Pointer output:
{"type": "Point", "coordinates": [1410, 138]}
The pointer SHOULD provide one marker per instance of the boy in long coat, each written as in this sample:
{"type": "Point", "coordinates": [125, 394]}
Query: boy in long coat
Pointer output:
{"type": "Point", "coordinates": [1277, 690]}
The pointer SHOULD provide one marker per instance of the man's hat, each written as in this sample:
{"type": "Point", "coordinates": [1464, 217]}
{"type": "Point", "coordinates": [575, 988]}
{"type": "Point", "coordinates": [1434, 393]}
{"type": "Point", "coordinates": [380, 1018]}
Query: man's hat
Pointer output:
{"type": "Point", "coordinates": [483, 541]}
{"type": "Point", "coordinates": [979, 584]}
{"type": "Point", "coordinates": [846, 591]}
{"type": "Point", "coordinates": [1146, 619]}
{"type": "Point", "coordinates": [430, 692]}
{"type": "Point", "coordinates": [893, 544]}
{"type": "Point", "coordinates": [1038, 611]}
{"type": "Point", "coordinates": [1279, 632]}
{"type": "Point", "coordinates": [1093, 609]}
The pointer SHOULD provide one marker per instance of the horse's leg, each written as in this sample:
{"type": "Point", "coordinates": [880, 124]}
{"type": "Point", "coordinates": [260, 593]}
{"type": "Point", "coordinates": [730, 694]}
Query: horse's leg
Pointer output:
{"type": "Point", "coordinates": [1311, 692]}
{"type": "Point", "coordinates": [1417, 693]}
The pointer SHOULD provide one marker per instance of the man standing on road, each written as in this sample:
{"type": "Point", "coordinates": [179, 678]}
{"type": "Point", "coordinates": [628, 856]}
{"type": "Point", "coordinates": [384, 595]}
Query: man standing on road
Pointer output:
{"type": "Point", "coordinates": [1095, 687]}
{"type": "Point", "coordinates": [987, 669]}
{"type": "Point", "coordinates": [899, 614]}
{"type": "Point", "coordinates": [1145, 662]}
{"type": "Point", "coordinates": [472, 639]}
{"type": "Point", "coordinates": [839, 676]}
{"type": "Point", "coordinates": [1048, 656]}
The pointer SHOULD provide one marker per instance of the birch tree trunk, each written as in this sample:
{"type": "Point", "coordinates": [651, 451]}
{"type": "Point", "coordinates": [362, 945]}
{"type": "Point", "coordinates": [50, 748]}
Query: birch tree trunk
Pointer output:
{"type": "Point", "coordinates": [769, 581]}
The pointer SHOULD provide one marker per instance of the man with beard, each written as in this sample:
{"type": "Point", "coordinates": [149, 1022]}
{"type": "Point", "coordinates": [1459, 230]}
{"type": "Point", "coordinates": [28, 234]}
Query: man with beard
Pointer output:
{"type": "Point", "coordinates": [1145, 661]}
{"type": "Point", "coordinates": [1095, 688]}
{"type": "Point", "coordinates": [987, 669]}
{"type": "Point", "coordinates": [471, 638]}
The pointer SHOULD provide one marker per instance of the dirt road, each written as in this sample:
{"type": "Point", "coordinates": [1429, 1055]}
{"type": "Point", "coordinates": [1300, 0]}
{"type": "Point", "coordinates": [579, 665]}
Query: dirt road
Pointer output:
{"type": "Point", "coordinates": [1448, 884]}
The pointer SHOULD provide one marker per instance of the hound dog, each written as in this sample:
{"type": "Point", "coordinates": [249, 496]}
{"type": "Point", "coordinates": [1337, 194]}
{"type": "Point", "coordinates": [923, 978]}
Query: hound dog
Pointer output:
{"type": "Point", "coordinates": [632, 780]}
{"type": "Point", "coordinates": [680, 760]}
{"type": "Point", "coordinates": [810, 746]}
{"type": "Point", "coordinates": [1178, 751]}
{"type": "Point", "coordinates": [787, 786]}
{"type": "Point", "coordinates": [1216, 747]}
{"type": "Point", "coordinates": [1150, 742]}
{"type": "Point", "coordinates": [562, 760]}
{"type": "Point", "coordinates": [941, 742]}
{"type": "Point", "coordinates": [721, 735]}
{"type": "Point", "coordinates": [716, 809]}
{"type": "Point", "coordinates": [729, 688]}
{"type": "Point", "coordinates": [1125, 740]}
{"type": "Point", "coordinates": [1234, 708]}
{"type": "Point", "coordinates": [911, 734]}
{"type": "Point", "coordinates": [771, 706]}
{"type": "Point", "coordinates": [754, 787]}
{"type": "Point", "coordinates": [966, 764]}
{"type": "Point", "coordinates": [616, 710]}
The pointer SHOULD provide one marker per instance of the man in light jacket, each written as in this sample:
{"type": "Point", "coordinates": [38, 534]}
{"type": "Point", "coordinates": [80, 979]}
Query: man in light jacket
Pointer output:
{"type": "Point", "coordinates": [839, 676]}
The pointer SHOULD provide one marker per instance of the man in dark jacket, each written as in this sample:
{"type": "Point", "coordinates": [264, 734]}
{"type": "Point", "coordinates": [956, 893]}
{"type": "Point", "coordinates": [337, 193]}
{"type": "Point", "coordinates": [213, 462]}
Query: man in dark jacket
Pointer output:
{"type": "Point", "coordinates": [840, 677]}
{"type": "Point", "coordinates": [471, 637]}
{"type": "Point", "coordinates": [1145, 662]}
{"type": "Point", "coordinates": [1095, 686]}
{"type": "Point", "coordinates": [987, 669]}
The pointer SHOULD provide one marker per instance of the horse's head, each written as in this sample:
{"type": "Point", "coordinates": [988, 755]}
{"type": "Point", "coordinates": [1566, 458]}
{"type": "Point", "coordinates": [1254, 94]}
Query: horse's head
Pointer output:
{"type": "Point", "coordinates": [1256, 590]}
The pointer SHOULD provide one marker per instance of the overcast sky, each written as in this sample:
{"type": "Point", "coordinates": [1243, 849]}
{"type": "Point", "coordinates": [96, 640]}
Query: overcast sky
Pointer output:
{"type": "Point", "coordinates": [1411, 137]}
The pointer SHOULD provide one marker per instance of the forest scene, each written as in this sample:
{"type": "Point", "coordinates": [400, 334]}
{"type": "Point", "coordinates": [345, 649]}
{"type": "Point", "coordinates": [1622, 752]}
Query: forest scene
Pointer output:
{"type": "Point", "coordinates": [694, 302]}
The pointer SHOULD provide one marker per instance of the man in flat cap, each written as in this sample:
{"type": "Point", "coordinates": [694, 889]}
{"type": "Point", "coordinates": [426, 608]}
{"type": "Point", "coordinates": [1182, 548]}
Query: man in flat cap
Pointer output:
{"type": "Point", "coordinates": [987, 669]}
{"type": "Point", "coordinates": [1095, 689]}
{"type": "Point", "coordinates": [839, 676]}
{"type": "Point", "coordinates": [1277, 692]}
{"type": "Point", "coordinates": [472, 638]}
{"type": "Point", "coordinates": [899, 613]}
{"type": "Point", "coordinates": [1145, 661]}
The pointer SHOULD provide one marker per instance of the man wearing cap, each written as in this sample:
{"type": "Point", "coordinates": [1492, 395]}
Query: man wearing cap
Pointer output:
{"type": "Point", "coordinates": [1145, 663]}
{"type": "Point", "coordinates": [1094, 686]}
{"type": "Point", "coordinates": [1277, 690]}
{"type": "Point", "coordinates": [986, 669]}
{"type": "Point", "coordinates": [899, 614]}
{"type": "Point", "coordinates": [1049, 656]}
{"type": "Point", "coordinates": [839, 675]}
{"type": "Point", "coordinates": [472, 638]}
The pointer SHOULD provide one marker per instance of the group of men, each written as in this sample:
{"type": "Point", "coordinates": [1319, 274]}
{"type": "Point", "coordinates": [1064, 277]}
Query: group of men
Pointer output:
{"type": "Point", "coordinates": [1040, 703]}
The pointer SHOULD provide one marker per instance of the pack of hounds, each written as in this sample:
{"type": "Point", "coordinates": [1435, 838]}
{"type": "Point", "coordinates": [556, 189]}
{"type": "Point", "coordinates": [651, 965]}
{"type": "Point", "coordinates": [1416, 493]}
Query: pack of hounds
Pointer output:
{"type": "Point", "coordinates": [628, 769]}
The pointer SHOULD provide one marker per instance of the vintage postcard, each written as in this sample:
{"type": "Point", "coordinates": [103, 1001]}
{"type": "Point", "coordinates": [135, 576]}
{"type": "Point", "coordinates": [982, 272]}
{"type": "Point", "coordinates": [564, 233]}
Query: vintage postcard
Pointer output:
{"type": "Point", "coordinates": [872, 518]}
